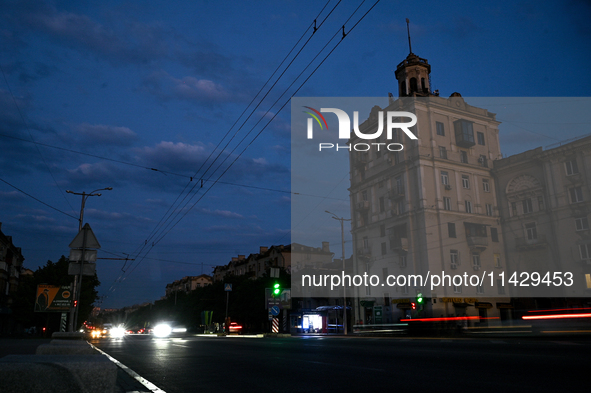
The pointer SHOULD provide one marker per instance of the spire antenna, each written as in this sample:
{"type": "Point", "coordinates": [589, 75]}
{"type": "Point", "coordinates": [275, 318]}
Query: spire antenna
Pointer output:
{"type": "Point", "coordinates": [408, 32]}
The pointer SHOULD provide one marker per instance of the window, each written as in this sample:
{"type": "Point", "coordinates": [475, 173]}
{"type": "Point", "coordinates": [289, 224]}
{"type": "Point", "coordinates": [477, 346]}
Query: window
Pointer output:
{"type": "Point", "coordinates": [366, 243]}
{"type": "Point", "coordinates": [494, 235]}
{"type": "Point", "coordinates": [585, 251]}
{"type": "Point", "coordinates": [476, 261]}
{"type": "Point", "coordinates": [463, 157]}
{"type": "Point", "coordinates": [489, 209]}
{"type": "Point", "coordinates": [454, 258]}
{"type": "Point", "coordinates": [401, 207]}
{"type": "Point", "coordinates": [442, 152]}
{"type": "Point", "coordinates": [497, 259]}
{"type": "Point", "coordinates": [475, 230]}
{"type": "Point", "coordinates": [576, 194]}
{"type": "Point", "coordinates": [382, 205]}
{"type": "Point", "coordinates": [457, 289]}
{"type": "Point", "coordinates": [500, 286]}
{"type": "Point", "coordinates": [485, 185]}
{"type": "Point", "coordinates": [384, 249]}
{"type": "Point", "coordinates": [444, 178]}
{"type": "Point", "coordinates": [480, 290]}
{"type": "Point", "coordinates": [531, 231]}
{"type": "Point", "coordinates": [382, 230]}
{"type": "Point", "coordinates": [402, 260]}
{"type": "Point", "coordinates": [440, 129]}
{"type": "Point", "coordinates": [451, 229]}
{"type": "Point", "coordinates": [465, 181]}
{"type": "Point", "coordinates": [527, 206]}
{"type": "Point", "coordinates": [364, 195]}
{"type": "Point", "coordinates": [384, 273]}
{"type": "Point", "coordinates": [571, 167]}
{"type": "Point", "coordinates": [404, 289]}
{"type": "Point", "coordinates": [513, 209]}
{"type": "Point", "coordinates": [483, 161]}
{"type": "Point", "coordinates": [464, 131]}
{"type": "Point", "coordinates": [446, 203]}
{"type": "Point", "coordinates": [581, 223]}
{"type": "Point", "coordinates": [540, 203]}
{"type": "Point", "coordinates": [468, 206]}
{"type": "Point", "coordinates": [480, 137]}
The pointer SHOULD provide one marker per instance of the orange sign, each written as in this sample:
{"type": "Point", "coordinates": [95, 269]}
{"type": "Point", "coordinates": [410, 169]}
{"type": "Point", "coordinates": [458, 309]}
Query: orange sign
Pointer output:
{"type": "Point", "coordinates": [53, 298]}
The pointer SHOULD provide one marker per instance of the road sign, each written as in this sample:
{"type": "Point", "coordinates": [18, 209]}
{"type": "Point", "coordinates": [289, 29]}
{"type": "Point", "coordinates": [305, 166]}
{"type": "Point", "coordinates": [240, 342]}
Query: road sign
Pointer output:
{"type": "Point", "coordinates": [91, 241]}
{"type": "Point", "coordinates": [53, 298]}
{"type": "Point", "coordinates": [76, 255]}
{"type": "Point", "coordinates": [228, 287]}
{"type": "Point", "coordinates": [275, 310]}
{"type": "Point", "coordinates": [89, 269]}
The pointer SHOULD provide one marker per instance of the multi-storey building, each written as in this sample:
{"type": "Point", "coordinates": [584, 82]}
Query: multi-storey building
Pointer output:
{"type": "Point", "coordinates": [431, 207]}
{"type": "Point", "coordinates": [11, 262]}
{"type": "Point", "coordinates": [188, 284]}
{"type": "Point", "coordinates": [544, 203]}
{"type": "Point", "coordinates": [256, 265]}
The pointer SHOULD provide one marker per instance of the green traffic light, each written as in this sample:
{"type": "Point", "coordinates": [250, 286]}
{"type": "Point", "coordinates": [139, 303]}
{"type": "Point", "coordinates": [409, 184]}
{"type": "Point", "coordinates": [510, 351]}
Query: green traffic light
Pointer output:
{"type": "Point", "coordinates": [277, 289]}
{"type": "Point", "coordinates": [420, 298]}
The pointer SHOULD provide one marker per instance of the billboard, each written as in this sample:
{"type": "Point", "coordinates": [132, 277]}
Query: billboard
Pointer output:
{"type": "Point", "coordinates": [53, 298]}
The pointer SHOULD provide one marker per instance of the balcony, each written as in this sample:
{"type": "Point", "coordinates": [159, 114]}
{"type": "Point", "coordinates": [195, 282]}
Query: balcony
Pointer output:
{"type": "Point", "coordinates": [364, 252]}
{"type": "Point", "coordinates": [479, 242]}
{"type": "Point", "coordinates": [525, 244]}
{"type": "Point", "coordinates": [396, 192]}
{"type": "Point", "coordinates": [363, 205]}
{"type": "Point", "coordinates": [398, 243]}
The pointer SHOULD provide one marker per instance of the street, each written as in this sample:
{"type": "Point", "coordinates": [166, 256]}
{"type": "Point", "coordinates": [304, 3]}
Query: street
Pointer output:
{"type": "Point", "coordinates": [343, 364]}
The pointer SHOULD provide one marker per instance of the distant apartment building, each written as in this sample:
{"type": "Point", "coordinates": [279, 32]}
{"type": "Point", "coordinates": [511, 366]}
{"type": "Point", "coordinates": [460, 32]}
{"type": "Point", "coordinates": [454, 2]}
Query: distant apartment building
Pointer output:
{"type": "Point", "coordinates": [544, 204]}
{"type": "Point", "coordinates": [431, 207]}
{"type": "Point", "coordinates": [256, 265]}
{"type": "Point", "coordinates": [11, 262]}
{"type": "Point", "coordinates": [187, 284]}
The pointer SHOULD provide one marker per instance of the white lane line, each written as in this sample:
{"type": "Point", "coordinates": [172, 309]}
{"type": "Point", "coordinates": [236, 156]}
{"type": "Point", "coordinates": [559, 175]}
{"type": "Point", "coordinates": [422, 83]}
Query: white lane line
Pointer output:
{"type": "Point", "coordinates": [149, 385]}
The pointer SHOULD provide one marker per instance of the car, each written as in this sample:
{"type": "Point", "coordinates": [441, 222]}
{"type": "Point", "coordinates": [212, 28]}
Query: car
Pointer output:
{"type": "Point", "coordinates": [167, 329]}
{"type": "Point", "coordinates": [234, 328]}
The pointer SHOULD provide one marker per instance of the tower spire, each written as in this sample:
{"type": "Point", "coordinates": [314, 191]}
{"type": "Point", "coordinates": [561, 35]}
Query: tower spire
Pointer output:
{"type": "Point", "coordinates": [408, 32]}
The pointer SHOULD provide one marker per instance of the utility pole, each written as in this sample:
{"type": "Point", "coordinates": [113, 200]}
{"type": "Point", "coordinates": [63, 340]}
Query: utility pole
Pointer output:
{"type": "Point", "coordinates": [78, 278]}
{"type": "Point", "coordinates": [342, 220]}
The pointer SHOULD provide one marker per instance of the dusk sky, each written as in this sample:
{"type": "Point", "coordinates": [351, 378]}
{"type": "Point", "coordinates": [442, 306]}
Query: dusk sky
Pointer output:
{"type": "Point", "coordinates": [94, 95]}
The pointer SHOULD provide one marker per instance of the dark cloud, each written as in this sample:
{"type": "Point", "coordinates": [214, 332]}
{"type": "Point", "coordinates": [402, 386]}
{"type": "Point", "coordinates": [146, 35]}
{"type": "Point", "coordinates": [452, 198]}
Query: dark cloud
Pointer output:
{"type": "Point", "coordinates": [105, 134]}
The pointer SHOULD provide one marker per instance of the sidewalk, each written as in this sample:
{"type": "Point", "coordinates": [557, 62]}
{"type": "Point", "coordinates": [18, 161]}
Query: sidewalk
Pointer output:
{"type": "Point", "coordinates": [27, 346]}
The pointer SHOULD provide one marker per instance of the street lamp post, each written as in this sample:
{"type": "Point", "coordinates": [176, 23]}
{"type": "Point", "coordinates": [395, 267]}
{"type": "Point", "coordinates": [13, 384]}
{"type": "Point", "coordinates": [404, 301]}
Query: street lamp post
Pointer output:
{"type": "Point", "coordinates": [77, 290]}
{"type": "Point", "coordinates": [342, 220]}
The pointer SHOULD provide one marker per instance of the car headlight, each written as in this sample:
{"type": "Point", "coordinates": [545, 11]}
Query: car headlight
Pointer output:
{"type": "Point", "coordinates": [162, 330]}
{"type": "Point", "coordinates": [117, 332]}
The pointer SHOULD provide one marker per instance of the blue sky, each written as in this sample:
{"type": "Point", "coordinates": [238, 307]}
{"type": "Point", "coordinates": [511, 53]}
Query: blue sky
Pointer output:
{"type": "Point", "coordinates": [153, 84]}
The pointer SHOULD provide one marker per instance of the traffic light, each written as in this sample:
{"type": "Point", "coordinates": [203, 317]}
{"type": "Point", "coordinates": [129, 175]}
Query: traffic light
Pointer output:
{"type": "Point", "coordinates": [75, 303]}
{"type": "Point", "coordinates": [419, 298]}
{"type": "Point", "coordinates": [276, 289]}
{"type": "Point", "coordinates": [413, 305]}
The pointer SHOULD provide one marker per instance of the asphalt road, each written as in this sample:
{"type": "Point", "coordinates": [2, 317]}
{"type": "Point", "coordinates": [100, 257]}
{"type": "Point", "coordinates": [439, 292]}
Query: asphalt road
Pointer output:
{"type": "Point", "coordinates": [342, 364]}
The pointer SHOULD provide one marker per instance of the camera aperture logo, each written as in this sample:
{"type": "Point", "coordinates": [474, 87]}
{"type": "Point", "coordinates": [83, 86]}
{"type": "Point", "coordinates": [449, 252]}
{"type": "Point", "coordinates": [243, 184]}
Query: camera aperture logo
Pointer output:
{"type": "Point", "coordinates": [393, 121]}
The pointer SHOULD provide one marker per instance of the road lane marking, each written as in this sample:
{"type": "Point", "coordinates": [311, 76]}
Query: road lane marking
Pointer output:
{"type": "Point", "coordinates": [149, 385]}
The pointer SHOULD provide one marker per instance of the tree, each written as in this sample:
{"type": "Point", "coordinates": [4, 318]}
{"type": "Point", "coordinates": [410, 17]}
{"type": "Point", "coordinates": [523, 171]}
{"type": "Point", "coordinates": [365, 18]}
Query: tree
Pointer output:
{"type": "Point", "coordinates": [53, 273]}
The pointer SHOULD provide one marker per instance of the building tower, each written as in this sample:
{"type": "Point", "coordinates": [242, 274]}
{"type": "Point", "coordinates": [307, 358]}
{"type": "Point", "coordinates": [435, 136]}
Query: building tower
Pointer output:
{"type": "Point", "coordinates": [430, 207]}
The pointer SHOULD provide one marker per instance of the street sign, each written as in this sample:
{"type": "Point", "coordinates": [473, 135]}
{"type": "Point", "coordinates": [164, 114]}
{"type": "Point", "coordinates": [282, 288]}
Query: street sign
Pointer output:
{"type": "Point", "coordinates": [89, 269]}
{"type": "Point", "coordinates": [53, 298]}
{"type": "Point", "coordinates": [76, 255]}
{"type": "Point", "coordinates": [283, 300]}
{"type": "Point", "coordinates": [91, 241]}
{"type": "Point", "coordinates": [275, 310]}
{"type": "Point", "coordinates": [228, 287]}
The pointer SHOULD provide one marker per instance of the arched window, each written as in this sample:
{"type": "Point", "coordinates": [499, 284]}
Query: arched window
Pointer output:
{"type": "Point", "coordinates": [423, 86]}
{"type": "Point", "coordinates": [413, 84]}
{"type": "Point", "coordinates": [402, 88]}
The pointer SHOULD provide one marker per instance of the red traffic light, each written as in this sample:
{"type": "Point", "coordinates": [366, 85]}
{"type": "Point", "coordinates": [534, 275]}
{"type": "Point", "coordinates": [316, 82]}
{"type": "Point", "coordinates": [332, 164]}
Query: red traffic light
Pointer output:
{"type": "Point", "coordinates": [413, 305]}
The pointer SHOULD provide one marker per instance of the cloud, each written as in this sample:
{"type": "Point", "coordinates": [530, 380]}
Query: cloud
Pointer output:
{"type": "Point", "coordinates": [166, 87]}
{"type": "Point", "coordinates": [105, 134]}
{"type": "Point", "coordinates": [221, 213]}
{"type": "Point", "coordinates": [172, 156]}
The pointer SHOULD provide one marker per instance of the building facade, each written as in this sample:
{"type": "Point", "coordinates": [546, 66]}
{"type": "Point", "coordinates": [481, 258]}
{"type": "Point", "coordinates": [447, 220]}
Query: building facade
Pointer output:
{"type": "Point", "coordinates": [188, 284]}
{"type": "Point", "coordinates": [544, 204]}
{"type": "Point", "coordinates": [431, 207]}
{"type": "Point", "coordinates": [11, 262]}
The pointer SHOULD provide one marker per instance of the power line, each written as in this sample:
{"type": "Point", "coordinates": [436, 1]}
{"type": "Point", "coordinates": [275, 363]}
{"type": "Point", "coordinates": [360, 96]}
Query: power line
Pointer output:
{"type": "Point", "coordinates": [38, 200]}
